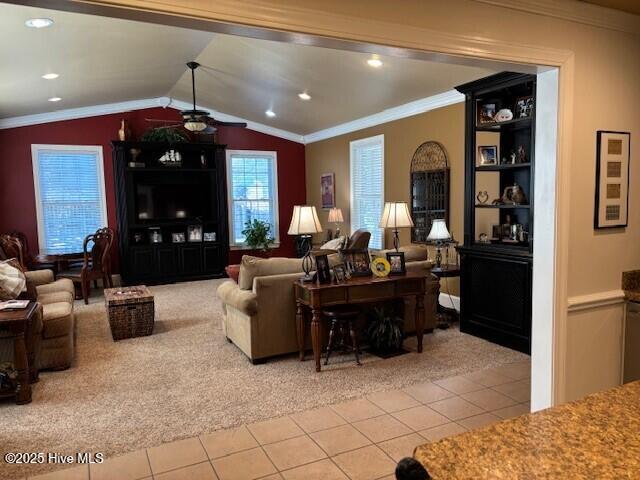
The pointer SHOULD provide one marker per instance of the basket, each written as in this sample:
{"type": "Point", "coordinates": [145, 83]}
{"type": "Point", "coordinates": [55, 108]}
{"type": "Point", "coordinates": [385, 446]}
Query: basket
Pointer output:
{"type": "Point", "coordinates": [131, 312]}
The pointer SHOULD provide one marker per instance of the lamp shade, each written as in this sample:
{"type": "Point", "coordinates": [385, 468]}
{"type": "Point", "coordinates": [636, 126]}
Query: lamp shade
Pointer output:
{"type": "Point", "coordinates": [396, 215]}
{"type": "Point", "coordinates": [335, 215]}
{"type": "Point", "coordinates": [439, 230]}
{"type": "Point", "coordinates": [304, 221]}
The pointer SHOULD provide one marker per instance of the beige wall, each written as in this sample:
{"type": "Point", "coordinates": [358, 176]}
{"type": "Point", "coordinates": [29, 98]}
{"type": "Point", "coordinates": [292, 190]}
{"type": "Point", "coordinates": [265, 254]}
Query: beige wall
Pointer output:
{"type": "Point", "coordinates": [401, 139]}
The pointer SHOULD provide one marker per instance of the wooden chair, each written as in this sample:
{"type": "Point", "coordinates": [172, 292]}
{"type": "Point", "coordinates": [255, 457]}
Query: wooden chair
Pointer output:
{"type": "Point", "coordinates": [12, 248]}
{"type": "Point", "coordinates": [96, 264]}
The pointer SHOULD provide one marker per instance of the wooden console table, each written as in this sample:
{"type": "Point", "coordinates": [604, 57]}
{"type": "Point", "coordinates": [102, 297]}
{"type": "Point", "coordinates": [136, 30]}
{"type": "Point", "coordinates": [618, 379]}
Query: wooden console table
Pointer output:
{"type": "Point", "coordinates": [356, 290]}
{"type": "Point", "coordinates": [16, 324]}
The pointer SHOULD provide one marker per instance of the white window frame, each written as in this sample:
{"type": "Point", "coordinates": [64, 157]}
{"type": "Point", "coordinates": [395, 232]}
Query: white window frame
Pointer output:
{"type": "Point", "coordinates": [265, 153]}
{"type": "Point", "coordinates": [377, 139]}
{"type": "Point", "coordinates": [93, 149]}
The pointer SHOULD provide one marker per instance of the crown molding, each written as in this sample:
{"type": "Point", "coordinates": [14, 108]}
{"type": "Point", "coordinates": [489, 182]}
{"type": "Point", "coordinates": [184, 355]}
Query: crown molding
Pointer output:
{"type": "Point", "coordinates": [396, 113]}
{"type": "Point", "coordinates": [225, 117]}
{"type": "Point", "coordinates": [119, 107]}
{"type": "Point", "coordinates": [575, 11]}
{"type": "Point", "coordinates": [81, 112]}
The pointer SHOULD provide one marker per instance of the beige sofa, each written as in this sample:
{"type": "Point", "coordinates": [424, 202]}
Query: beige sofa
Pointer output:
{"type": "Point", "coordinates": [58, 321]}
{"type": "Point", "coordinates": [259, 311]}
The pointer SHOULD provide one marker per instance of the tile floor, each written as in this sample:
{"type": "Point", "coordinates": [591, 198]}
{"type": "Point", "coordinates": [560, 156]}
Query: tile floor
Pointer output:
{"type": "Point", "coordinates": [360, 439]}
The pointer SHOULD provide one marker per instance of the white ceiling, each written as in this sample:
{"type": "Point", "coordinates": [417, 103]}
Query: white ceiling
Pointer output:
{"type": "Point", "coordinates": [103, 60]}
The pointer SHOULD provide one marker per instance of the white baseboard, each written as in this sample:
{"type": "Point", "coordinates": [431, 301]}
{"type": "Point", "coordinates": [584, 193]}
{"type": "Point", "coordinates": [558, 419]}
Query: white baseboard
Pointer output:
{"type": "Point", "coordinates": [449, 301]}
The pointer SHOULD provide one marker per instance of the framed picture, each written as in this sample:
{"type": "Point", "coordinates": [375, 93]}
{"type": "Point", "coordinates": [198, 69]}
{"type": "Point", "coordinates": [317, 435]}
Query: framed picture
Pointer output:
{"type": "Point", "coordinates": [328, 190]}
{"type": "Point", "coordinates": [396, 261]}
{"type": "Point", "coordinates": [487, 155]}
{"type": "Point", "coordinates": [612, 179]}
{"type": "Point", "coordinates": [486, 111]}
{"type": "Point", "coordinates": [155, 235]}
{"type": "Point", "coordinates": [323, 271]}
{"type": "Point", "coordinates": [210, 236]}
{"type": "Point", "coordinates": [340, 273]}
{"type": "Point", "coordinates": [194, 232]}
{"type": "Point", "coordinates": [357, 262]}
{"type": "Point", "coordinates": [524, 107]}
{"type": "Point", "coordinates": [177, 237]}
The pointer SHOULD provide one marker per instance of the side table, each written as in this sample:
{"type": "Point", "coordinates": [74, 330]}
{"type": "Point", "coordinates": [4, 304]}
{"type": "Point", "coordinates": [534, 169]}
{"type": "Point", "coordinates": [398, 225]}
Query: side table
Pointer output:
{"type": "Point", "coordinates": [450, 314]}
{"type": "Point", "coordinates": [16, 324]}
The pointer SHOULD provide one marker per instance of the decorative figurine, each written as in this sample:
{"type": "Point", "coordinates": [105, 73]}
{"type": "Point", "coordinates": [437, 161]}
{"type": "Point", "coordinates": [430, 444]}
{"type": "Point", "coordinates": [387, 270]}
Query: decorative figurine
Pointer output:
{"type": "Point", "coordinates": [512, 157]}
{"type": "Point", "coordinates": [522, 155]}
{"type": "Point", "coordinates": [482, 197]}
{"type": "Point", "coordinates": [124, 133]}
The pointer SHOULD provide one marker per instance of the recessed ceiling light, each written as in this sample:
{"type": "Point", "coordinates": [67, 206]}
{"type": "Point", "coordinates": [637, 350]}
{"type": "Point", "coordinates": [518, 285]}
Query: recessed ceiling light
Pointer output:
{"type": "Point", "coordinates": [38, 22]}
{"type": "Point", "coordinates": [374, 62]}
{"type": "Point", "coordinates": [304, 96]}
{"type": "Point", "coordinates": [270, 113]}
{"type": "Point", "coordinates": [55, 99]}
{"type": "Point", "coordinates": [50, 76]}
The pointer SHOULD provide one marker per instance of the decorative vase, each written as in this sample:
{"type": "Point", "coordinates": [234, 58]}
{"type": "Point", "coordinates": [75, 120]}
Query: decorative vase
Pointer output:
{"type": "Point", "coordinates": [124, 133]}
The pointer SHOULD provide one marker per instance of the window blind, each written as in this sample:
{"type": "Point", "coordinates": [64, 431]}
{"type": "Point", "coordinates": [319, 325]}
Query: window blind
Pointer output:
{"type": "Point", "coordinates": [253, 191]}
{"type": "Point", "coordinates": [367, 187]}
{"type": "Point", "coordinates": [71, 200]}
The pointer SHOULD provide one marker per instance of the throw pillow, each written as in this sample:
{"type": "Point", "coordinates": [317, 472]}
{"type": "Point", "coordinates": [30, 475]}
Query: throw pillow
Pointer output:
{"type": "Point", "coordinates": [335, 244]}
{"type": "Point", "coordinates": [12, 280]}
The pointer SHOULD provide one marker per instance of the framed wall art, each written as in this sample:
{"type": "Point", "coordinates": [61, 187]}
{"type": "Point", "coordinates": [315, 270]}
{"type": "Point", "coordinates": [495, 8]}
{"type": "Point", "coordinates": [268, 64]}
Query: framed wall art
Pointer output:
{"type": "Point", "coordinates": [612, 179]}
{"type": "Point", "coordinates": [328, 190]}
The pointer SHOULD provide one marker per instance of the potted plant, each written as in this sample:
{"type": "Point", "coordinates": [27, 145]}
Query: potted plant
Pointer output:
{"type": "Point", "coordinates": [164, 135]}
{"type": "Point", "coordinates": [384, 331]}
{"type": "Point", "coordinates": [258, 235]}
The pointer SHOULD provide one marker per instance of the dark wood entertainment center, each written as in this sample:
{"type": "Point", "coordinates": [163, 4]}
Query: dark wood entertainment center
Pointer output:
{"type": "Point", "coordinates": [158, 203]}
{"type": "Point", "coordinates": [497, 255]}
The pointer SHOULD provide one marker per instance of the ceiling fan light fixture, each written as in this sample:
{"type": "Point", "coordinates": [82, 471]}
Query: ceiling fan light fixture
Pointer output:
{"type": "Point", "coordinates": [195, 125]}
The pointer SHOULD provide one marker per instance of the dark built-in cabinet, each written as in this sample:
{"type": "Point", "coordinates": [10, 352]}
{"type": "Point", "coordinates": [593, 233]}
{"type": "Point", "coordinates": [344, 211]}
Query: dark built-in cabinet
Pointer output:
{"type": "Point", "coordinates": [163, 193]}
{"type": "Point", "coordinates": [497, 254]}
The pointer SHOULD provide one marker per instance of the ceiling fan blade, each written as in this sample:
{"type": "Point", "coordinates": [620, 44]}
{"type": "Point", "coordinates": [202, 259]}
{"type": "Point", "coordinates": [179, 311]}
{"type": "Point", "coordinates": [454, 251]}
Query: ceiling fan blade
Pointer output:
{"type": "Point", "coordinates": [210, 130]}
{"type": "Point", "coordinates": [176, 125]}
{"type": "Point", "coordinates": [157, 120]}
{"type": "Point", "coordinates": [228, 124]}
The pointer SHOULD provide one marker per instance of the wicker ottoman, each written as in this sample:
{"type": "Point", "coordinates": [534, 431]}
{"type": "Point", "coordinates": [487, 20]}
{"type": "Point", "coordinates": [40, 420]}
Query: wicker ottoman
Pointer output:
{"type": "Point", "coordinates": [130, 310]}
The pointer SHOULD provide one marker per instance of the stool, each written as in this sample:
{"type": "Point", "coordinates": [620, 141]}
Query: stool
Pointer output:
{"type": "Point", "coordinates": [340, 318]}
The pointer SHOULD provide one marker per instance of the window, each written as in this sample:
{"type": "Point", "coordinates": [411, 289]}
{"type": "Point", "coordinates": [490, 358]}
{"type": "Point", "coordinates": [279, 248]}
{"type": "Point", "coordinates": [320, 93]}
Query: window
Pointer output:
{"type": "Point", "coordinates": [253, 191]}
{"type": "Point", "coordinates": [70, 197]}
{"type": "Point", "coordinates": [367, 187]}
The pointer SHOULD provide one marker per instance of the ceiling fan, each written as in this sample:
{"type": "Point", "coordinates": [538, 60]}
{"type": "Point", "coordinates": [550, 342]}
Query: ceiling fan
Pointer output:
{"type": "Point", "coordinates": [198, 121]}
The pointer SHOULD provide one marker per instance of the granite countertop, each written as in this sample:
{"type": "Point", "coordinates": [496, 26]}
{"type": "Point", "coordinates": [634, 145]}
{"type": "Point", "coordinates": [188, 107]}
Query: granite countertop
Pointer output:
{"type": "Point", "coordinates": [597, 437]}
{"type": "Point", "coordinates": [631, 285]}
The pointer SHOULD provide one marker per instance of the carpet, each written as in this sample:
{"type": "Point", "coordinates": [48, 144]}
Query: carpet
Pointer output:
{"type": "Point", "coordinates": [186, 379]}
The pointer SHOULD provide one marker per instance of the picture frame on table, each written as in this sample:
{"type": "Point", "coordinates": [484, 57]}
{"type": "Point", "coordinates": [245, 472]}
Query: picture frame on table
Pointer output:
{"type": "Point", "coordinates": [177, 237]}
{"type": "Point", "coordinates": [323, 271]}
{"type": "Point", "coordinates": [340, 273]}
{"type": "Point", "coordinates": [328, 190]}
{"type": "Point", "coordinates": [357, 261]}
{"type": "Point", "coordinates": [612, 179]}
{"type": "Point", "coordinates": [397, 262]}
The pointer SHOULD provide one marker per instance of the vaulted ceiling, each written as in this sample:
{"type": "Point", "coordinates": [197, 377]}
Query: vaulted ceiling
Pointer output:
{"type": "Point", "coordinates": [104, 60]}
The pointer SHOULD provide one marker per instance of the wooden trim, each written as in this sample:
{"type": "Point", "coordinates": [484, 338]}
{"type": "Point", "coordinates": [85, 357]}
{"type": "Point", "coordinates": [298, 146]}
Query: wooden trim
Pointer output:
{"type": "Point", "coordinates": [595, 300]}
{"type": "Point", "coordinates": [574, 11]}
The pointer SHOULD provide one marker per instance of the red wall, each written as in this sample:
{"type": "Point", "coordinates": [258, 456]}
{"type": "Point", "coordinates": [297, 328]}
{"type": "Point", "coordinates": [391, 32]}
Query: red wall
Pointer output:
{"type": "Point", "coordinates": [17, 197]}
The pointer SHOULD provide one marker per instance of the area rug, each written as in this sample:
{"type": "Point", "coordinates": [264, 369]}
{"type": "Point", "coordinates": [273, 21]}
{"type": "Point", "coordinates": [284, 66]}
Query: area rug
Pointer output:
{"type": "Point", "coordinates": [186, 379]}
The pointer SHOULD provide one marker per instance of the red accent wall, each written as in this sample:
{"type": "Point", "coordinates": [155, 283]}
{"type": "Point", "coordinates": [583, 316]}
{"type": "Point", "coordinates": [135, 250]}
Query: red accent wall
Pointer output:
{"type": "Point", "coordinates": [17, 196]}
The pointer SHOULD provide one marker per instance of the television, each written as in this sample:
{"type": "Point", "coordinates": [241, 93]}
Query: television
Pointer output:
{"type": "Point", "coordinates": [169, 201]}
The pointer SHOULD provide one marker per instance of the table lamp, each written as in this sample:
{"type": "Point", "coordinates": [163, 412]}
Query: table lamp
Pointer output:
{"type": "Point", "coordinates": [304, 222]}
{"type": "Point", "coordinates": [335, 216]}
{"type": "Point", "coordinates": [440, 235]}
{"type": "Point", "coordinates": [396, 215]}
